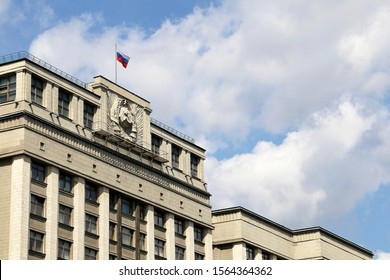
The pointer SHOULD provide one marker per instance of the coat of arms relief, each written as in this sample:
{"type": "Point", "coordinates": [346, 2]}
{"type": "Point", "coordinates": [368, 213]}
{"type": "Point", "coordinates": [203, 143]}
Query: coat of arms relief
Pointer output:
{"type": "Point", "coordinates": [125, 119]}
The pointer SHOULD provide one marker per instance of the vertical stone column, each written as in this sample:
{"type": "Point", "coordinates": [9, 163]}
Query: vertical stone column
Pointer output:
{"type": "Point", "coordinates": [187, 163]}
{"type": "Point", "coordinates": [79, 219]}
{"type": "Point", "coordinates": [104, 221]}
{"type": "Point", "coordinates": [190, 243]}
{"type": "Point", "coordinates": [201, 169]}
{"type": "Point", "coordinates": [208, 247]}
{"type": "Point", "coordinates": [239, 251]}
{"type": "Point", "coordinates": [149, 242]}
{"type": "Point", "coordinates": [21, 83]}
{"type": "Point", "coordinates": [170, 236]}
{"type": "Point", "coordinates": [258, 254]}
{"type": "Point", "coordinates": [52, 209]}
{"type": "Point", "coordinates": [55, 99]}
{"type": "Point", "coordinates": [19, 205]}
{"type": "Point", "coordinates": [47, 96]}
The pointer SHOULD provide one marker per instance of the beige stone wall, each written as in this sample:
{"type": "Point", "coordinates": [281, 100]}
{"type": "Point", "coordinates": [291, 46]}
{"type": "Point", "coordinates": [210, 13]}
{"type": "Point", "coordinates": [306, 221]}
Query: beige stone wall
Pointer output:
{"type": "Point", "coordinates": [5, 206]}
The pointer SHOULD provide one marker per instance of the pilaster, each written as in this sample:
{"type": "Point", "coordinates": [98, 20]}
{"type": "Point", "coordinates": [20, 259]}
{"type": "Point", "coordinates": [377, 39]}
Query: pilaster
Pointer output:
{"type": "Point", "coordinates": [170, 236]}
{"type": "Point", "coordinates": [190, 244]}
{"type": "Point", "coordinates": [79, 219]}
{"type": "Point", "coordinates": [19, 204]}
{"type": "Point", "coordinates": [104, 221]}
{"type": "Point", "coordinates": [149, 242]}
{"type": "Point", "coordinates": [51, 239]}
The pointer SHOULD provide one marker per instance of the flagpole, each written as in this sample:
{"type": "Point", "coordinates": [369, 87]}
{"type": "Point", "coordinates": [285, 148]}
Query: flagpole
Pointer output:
{"type": "Point", "coordinates": [116, 71]}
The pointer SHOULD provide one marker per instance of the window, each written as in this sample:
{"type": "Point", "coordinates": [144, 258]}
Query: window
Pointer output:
{"type": "Point", "coordinates": [265, 256]}
{"type": "Point", "coordinates": [159, 218]}
{"type": "Point", "coordinates": [38, 172]}
{"type": "Point", "coordinates": [7, 88]}
{"type": "Point", "coordinates": [65, 182]}
{"type": "Point", "coordinates": [250, 253]}
{"type": "Point", "coordinates": [113, 199]}
{"type": "Point", "coordinates": [179, 226]}
{"type": "Point", "coordinates": [175, 156]}
{"type": "Point", "coordinates": [65, 214]}
{"type": "Point", "coordinates": [198, 234]}
{"type": "Point", "coordinates": [63, 250]}
{"type": "Point", "coordinates": [90, 254]}
{"type": "Point", "coordinates": [36, 90]}
{"type": "Point", "coordinates": [156, 143]}
{"type": "Point", "coordinates": [159, 247]}
{"type": "Point", "coordinates": [142, 238]}
{"type": "Point", "coordinates": [63, 103]}
{"type": "Point", "coordinates": [127, 235]}
{"type": "Point", "coordinates": [127, 207]}
{"type": "Point", "coordinates": [37, 204]}
{"type": "Point", "coordinates": [194, 165]}
{"type": "Point", "coordinates": [89, 111]}
{"type": "Point", "coordinates": [91, 192]}
{"type": "Point", "coordinates": [179, 253]}
{"type": "Point", "coordinates": [36, 241]}
{"type": "Point", "coordinates": [199, 256]}
{"type": "Point", "coordinates": [91, 224]}
{"type": "Point", "coordinates": [112, 231]}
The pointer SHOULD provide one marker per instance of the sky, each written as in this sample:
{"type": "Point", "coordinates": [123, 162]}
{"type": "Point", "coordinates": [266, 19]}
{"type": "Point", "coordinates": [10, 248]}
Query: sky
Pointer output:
{"type": "Point", "coordinates": [289, 98]}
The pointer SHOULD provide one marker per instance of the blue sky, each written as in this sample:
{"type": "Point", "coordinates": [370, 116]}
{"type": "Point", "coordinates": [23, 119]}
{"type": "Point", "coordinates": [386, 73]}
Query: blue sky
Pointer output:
{"type": "Point", "coordinates": [290, 98]}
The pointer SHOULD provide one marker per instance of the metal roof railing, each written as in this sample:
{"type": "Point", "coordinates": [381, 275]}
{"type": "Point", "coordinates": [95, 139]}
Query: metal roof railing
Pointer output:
{"type": "Point", "coordinates": [25, 55]}
{"type": "Point", "coordinates": [172, 130]}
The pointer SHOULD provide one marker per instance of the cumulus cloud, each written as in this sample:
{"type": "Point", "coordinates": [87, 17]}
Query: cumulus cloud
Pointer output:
{"type": "Point", "coordinates": [320, 170]}
{"type": "Point", "coordinates": [380, 255]}
{"type": "Point", "coordinates": [314, 72]}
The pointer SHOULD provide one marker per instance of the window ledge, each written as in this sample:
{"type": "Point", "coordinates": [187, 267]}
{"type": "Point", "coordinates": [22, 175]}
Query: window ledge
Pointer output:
{"type": "Point", "coordinates": [65, 226]}
{"type": "Point", "coordinates": [37, 217]}
{"type": "Point", "coordinates": [92, 235]}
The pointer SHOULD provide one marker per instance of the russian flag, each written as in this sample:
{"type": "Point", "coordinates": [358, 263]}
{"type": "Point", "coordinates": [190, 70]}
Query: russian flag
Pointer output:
{"type": "Point", "coordinates": [122, 58]}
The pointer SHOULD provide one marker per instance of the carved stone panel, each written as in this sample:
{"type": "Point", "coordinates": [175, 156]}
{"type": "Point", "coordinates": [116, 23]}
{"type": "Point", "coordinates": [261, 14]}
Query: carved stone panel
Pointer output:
{"type": "Point", "coordinates": [125, 118]}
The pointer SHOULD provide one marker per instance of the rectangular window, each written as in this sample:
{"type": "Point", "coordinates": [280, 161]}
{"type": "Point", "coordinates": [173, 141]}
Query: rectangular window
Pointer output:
{"type": "Point", "coordinates": [199, 257]}
{"type": "Point", "coordinates": [127, 235]}
{"type": "Point", "coordinates": [156, 143]}
{"type": "Point", "coordinates": [250, 253]}
{"type": "Point", "coordinates": [89, 111]}
{"type": "Point", "coordinates": [142, 238]}
{"type": "Point", "coordinates": [36, 241]}
{"type": "Point", "coordinates": [112, 231]}
{"type": "Point", "coordinates": [65, 182]}
{"type": "Point", "coordinates": [36, 90]}
{"type": "Point", "coordinates": [179, 226]}
{"type": "Point", "coordinates": [159, 247]}
{"type": "Point", "coordinates": [90, 254]}
{"type": "Point", "coordinates": [37, 205]}
{"type": "Point", "coordinates": [179, 253]}
{"type": "Point", "coordinates": [198, 234]}
{"type": "Point", "coordinates": [63, 103]}
{"type": "Point", "coordinates": [159, 218]}
{"type": "Point", "coordinates": [265, 256]}
{"type": "Point", "coordinates": [194, 165]}
{"type": "Point", "coordinates": [63, 250]}
{"type": "Point", "coordinates": [65, 215]}
{"type": "Point", "coordinates": [91, 224]}
{"type": "Point", "coordinates": [127, 207]}
{"type": "Point", "coordinates": [7, 88]}
{"type": "Point", "coordinates": [38, 172]}
{"type": "Point", "coordinates": [91, 192]}
{"type": "Point", "coordinates": [175, 156]}
{"type": "Point", "coordinates": [113, 199]}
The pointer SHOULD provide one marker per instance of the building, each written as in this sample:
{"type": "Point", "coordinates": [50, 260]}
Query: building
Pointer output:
{"type": "Point", "coordinates": [240, 234]}
{"type": "Point", "coordinates": [86, 173]}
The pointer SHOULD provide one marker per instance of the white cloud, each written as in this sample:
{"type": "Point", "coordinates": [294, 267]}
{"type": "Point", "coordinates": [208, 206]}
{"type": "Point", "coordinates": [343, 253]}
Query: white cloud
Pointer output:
{"type": "Point", "coordinates": [315, 72]}
{"type": "Point", "coordinates": [322, 169]}
{"type": "Point", "coordinates": [380, 255]}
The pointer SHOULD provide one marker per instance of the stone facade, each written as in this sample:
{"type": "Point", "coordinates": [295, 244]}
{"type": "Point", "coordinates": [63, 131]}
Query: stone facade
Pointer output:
{"type": "Point", "coordinates": [80, 178]}
{"type": "Point", "coordinates": [241, 234]}
{"type": "Point", "coordinates": [86, 173]}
